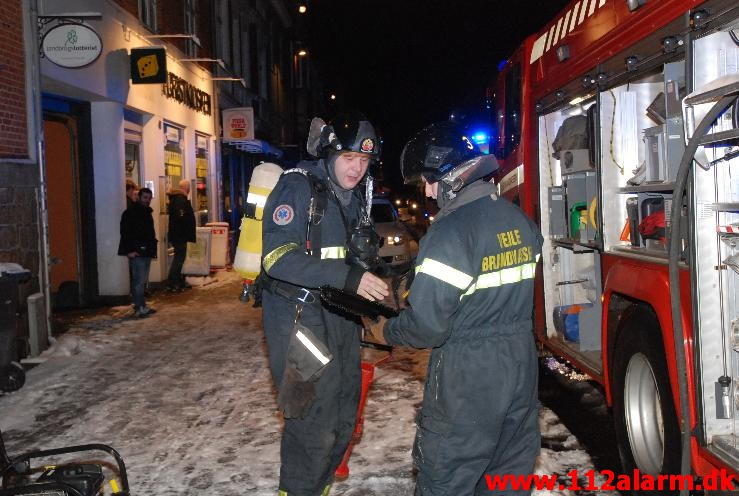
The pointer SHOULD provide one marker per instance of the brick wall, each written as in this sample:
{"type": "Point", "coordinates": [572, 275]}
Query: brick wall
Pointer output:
{"type": "Point", "coordinates": [132, 6]}
{"type": "Point", "coordinates": [204, 28]}
{"type": "Point", "coordinates": [13, 122]}
{"type": "Point", "coordinates": [171, 19]}
{"type": "Point", "coordinates": [18, 216]}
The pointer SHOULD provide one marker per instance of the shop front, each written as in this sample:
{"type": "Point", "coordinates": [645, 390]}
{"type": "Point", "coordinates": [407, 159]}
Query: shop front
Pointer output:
{"type": "Point", "coordinates": [102, 130]}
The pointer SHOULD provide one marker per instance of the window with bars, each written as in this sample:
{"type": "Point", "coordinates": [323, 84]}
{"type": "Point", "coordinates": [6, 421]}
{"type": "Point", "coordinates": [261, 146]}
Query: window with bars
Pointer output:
{"type": "Point", "coordinates": [148, 14]}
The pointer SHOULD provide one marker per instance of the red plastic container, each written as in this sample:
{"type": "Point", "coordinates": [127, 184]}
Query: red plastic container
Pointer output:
{"type": "Point", "coordinates": [368, 375]}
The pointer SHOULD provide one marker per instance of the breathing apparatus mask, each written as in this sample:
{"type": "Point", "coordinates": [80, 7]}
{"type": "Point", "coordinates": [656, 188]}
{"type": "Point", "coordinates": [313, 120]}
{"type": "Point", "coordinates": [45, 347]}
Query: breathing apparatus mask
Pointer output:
{"type": "Point", "coordinates": [363, 242]}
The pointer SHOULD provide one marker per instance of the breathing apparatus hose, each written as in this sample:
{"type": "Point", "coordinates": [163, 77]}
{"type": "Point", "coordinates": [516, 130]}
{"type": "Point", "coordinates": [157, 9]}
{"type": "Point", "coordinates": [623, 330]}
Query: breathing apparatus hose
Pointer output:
{"type": "Point", "coordinates": [675, 250]}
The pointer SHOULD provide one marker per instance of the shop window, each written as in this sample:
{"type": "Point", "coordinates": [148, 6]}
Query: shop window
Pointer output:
{"type": "Point", "coordinates": [201, 177]}
{"type": "Point", "coordinates": [132, 138]}
{"type": "Point", "coordinates": [173, 159]}
{"type": "Point", "coordinates": [148, 14]}
{"type": "Point", "coordinates": [190, 22]}
{"type": "Point", "coordinates": [133, 163]}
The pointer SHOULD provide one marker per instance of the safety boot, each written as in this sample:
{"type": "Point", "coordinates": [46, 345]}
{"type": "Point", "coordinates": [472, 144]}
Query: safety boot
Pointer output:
{"type": "Point", "coordinates": [325, 492]}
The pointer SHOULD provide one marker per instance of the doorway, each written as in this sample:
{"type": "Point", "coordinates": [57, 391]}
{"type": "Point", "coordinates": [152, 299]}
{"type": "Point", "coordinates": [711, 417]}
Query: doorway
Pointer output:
{"type": "Point", "coordinates": [70, 201]}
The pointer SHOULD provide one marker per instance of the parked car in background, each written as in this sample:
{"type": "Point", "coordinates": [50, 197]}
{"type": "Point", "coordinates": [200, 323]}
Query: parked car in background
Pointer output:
{"type": "Point", "coordinates": [400, 244]}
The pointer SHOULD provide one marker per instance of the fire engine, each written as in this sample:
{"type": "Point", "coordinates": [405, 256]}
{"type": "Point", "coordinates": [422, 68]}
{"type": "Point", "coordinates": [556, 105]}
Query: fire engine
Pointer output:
{"type": "Point", "coordinates": [618, 132]}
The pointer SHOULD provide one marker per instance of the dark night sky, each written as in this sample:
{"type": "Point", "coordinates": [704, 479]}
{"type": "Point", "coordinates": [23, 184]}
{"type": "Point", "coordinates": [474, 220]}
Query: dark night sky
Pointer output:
{"type": "Point", "coordinates": [407, 63]}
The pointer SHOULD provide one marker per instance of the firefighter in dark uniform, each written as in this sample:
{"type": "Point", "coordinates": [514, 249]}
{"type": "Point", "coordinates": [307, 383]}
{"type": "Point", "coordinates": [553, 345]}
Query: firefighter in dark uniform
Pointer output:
{"type": "Point", "coordinates": [308, 226]}
{"type": "Point", "coordinates": [472, 303]}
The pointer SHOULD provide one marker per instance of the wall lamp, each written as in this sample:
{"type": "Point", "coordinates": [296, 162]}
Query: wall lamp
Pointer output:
{"type": "Point", "coordinates": [220, 62]}
{"type": "Point", "coordinates": [699, 18]}
{"type": "Point", "coordinates": [587, 81]}
{"type": "Point", "coordinates": [241, 80]}
{"type": "Point", "coordinates": [632, 63]}
{"type": "Point", "coordinates": [670, 44]}
{"type": "Point", "coordinates": [193, 37]}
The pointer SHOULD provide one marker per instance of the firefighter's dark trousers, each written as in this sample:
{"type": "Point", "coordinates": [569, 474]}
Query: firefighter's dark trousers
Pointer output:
{"type": "Point", "coordinates": [312, 446]}
{"type": "Point", "coordinates": [480, 413]}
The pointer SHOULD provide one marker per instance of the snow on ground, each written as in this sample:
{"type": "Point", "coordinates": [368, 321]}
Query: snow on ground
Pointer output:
{"type": "Point", "coordinates": [185, 396]}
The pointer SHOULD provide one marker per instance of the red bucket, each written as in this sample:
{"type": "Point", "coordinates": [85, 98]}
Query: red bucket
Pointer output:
{"type": "Point", "coordinates": [368, 375]}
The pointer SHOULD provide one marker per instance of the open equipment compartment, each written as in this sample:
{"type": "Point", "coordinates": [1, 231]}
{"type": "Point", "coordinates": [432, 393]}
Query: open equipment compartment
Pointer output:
{"type": "Point", "coordinates": [569, 211]}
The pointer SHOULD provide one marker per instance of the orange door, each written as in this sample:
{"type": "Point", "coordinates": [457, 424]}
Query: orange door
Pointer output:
{"type": "Point", "coordinates": [62, 199]}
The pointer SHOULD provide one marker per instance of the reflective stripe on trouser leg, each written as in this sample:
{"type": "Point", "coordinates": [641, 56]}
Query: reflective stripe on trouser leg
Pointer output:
{"type": "Point", "coordinates": [312, 447]}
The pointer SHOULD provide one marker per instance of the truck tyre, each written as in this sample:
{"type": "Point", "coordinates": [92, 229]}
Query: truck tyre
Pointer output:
{"type": "Point", "coordinates": [647, 428]}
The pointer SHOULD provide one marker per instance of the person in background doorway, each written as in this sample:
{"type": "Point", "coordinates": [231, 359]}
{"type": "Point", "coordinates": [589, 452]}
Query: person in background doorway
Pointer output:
{"type": "Point", "coordinates": [181, 231]}
{"type": "Point", "coordinates": [132, 190]}
{"type": "Point", "coordinates": [139, 244]}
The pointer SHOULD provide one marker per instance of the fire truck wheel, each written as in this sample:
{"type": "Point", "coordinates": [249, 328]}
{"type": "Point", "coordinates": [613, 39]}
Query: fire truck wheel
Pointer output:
{"type": "Point", "coordinates": [646, 423]}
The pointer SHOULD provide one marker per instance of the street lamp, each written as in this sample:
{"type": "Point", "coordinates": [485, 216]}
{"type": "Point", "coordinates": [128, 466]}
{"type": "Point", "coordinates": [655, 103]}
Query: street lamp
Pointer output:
{"type": "Point", "coordinates": [302, 8]}
{"type": "Point", "coordinates": [333, 97]}
{"type": "Point", "coordinates": [302, 53]}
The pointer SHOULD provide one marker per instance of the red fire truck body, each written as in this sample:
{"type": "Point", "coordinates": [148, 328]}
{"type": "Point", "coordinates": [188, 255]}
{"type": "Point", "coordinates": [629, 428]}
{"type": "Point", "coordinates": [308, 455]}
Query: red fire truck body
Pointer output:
{"type": "Point", "coordinates": [593, 115]}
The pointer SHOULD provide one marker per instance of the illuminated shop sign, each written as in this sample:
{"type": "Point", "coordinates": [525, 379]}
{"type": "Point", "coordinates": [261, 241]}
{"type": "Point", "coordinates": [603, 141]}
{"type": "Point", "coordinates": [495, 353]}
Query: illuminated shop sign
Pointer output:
{"type": "Point", "coordinates": [71, 45]}
{"type": "Point", "coordinates": [148, 65]}
{"type": "Point", "coordinates": [185, 93]}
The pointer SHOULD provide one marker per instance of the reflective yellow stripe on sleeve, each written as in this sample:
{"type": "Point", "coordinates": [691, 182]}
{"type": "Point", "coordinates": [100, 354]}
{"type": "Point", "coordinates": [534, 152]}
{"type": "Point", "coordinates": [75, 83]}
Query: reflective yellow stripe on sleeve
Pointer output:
{"type": "Point", "coordinates": [498, 278]}
{"type": "Point", "coordinates": [333, 252]}
{"type": "Point", "coordinates": [273, 256]}
{"type": "Point", "coordinates": [445, 273]}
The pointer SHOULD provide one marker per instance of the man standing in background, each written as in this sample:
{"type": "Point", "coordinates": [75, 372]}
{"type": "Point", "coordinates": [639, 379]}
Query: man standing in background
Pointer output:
{"type": "Point", "coordinates": [181, 231]}
{"type": "Point", "coordinates": [139, 244]}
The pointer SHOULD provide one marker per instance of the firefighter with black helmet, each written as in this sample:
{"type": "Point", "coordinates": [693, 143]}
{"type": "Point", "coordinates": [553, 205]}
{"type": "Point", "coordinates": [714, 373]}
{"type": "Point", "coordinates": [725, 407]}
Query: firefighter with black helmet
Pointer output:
{"type": "Point", "coordinates": [472, 302]}
{"type": "Point", "coordinates": [313, 224]}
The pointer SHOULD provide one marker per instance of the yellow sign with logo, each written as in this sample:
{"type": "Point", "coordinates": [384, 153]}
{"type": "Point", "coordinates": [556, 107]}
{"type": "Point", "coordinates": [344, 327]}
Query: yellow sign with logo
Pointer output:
{"type": "Point", "coordinates": [148, 65]}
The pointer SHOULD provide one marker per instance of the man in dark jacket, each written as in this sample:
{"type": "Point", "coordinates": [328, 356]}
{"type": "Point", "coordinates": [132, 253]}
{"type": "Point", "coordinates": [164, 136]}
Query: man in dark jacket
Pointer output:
{"type": "Point", "coordinates": [472, 303]}
{"type": "Point", "coordinates": [139, 244]}
{"type": "Point", "coordinates": [306, 245]}
{"type": "Point", "coordinates": [181, 231]}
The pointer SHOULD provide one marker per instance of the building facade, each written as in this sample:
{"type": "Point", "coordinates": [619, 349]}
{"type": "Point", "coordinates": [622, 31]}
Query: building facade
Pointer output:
{"type": "Point", "coordinates": [100, 129]}
{"type": "Point", "coordinates": [75, 125]}
{"type": "Point", "coordinates": [260, 42]}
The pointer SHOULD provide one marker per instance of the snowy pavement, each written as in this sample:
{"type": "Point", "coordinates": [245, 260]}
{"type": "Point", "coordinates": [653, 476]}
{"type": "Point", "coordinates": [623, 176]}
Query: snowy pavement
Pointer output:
{"type": "Point", "coordinates": [185, 396]}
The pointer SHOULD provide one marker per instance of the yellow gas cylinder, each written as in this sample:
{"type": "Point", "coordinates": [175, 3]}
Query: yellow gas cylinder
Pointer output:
{"type": "Point", "coordinates": [248, 260]}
